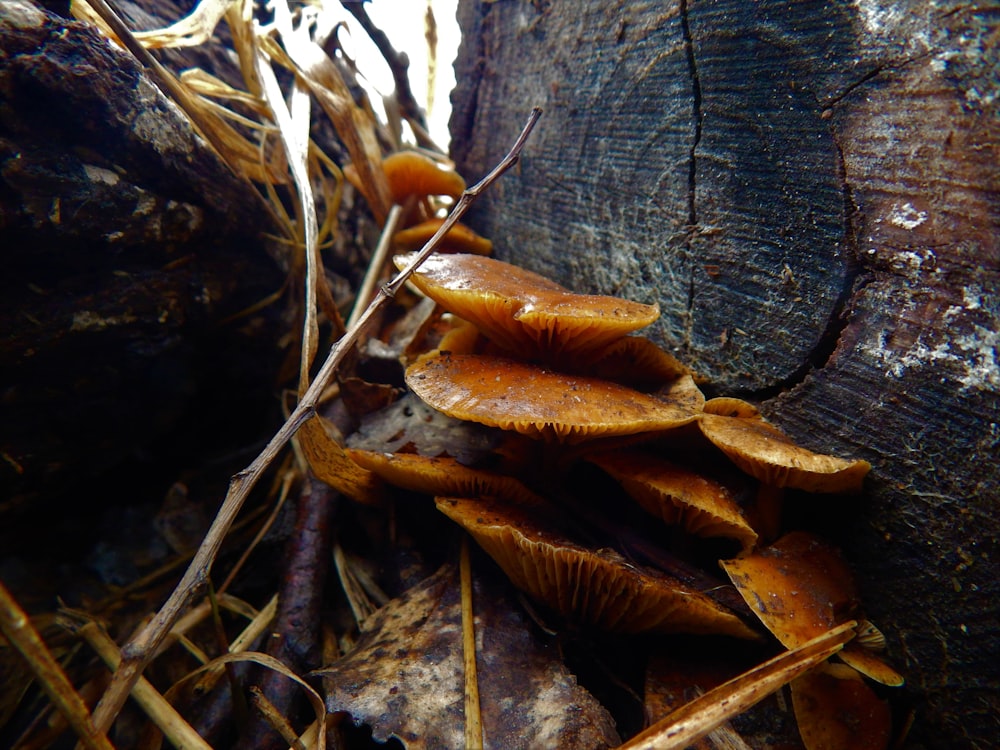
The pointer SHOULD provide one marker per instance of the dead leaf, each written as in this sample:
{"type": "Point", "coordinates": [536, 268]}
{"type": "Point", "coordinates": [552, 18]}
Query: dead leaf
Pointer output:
{"type": "Point", "coordinates": [405, 678]}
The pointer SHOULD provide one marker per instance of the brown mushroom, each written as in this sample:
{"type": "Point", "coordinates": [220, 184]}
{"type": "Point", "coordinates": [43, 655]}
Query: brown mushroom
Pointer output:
{"type": "Point", "coordinates": [596, 586]}
{"type": "Point", "coordinates": [321, 444]}
{"type": "Point", "coordinates": [701, 505]}
{"type": "Point", "coordinates": [636, 361]}
{"type": "Point", "coordinates": [513, 395]}
{"type": "Point", "coordinates": [800, 587]}
{"type": "Point", "coordinates": [525, 313]}
{"type": "Point", "coordinates": [458, 239]}
{"type": "Point", "coordinates": [766, 453]}
{"type": "Point", "coordinates": [440, 475]}
{"type": "Point", "coordinates": [410, 173]}
{"type": "Point", "coordinates": [836, 710]}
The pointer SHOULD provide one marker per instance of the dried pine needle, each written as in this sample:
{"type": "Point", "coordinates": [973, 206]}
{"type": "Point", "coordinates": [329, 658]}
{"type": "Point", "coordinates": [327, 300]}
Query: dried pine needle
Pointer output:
{"type": "Point", "coordinates": [473, 716]}
{"type": "Point", "coordinates": [699, 717]}
{"type": "Point", "coordinates": [159, 710]}
{"type": "Point", "coordinates": [17, 628]}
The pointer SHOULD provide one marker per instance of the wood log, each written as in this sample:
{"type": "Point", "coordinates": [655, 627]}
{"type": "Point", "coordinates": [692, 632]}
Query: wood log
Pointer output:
{"type": "Point", "coordinates": [809, 190]}
{"type": "Point", "coordinates": [125, 242]}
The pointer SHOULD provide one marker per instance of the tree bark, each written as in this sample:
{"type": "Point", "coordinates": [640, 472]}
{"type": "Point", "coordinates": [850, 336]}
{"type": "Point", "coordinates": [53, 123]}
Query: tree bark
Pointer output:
{"type": "Point", "coordinates": [809, 191]}
{"type": "Point", "coordinates": [125, 242]}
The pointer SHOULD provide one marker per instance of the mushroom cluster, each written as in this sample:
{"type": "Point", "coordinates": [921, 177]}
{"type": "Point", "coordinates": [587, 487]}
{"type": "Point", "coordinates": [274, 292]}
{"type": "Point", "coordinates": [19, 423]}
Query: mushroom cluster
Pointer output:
{"type": "Point", "coordinates": [574, 399]}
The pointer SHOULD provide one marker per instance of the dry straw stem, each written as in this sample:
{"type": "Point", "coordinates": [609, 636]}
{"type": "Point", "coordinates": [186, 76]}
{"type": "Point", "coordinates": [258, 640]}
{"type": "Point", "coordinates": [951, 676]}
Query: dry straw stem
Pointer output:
{"type": "Point", "coordinates": [473, 715]}
{"type": "Point", "coordinates": [159, 710]}
{"type": "Point", "coordinates": [17, 628]}
{"type": "Point", "coordinates": [687, 724]}
{"type": "Point", "coordinates": [137, 653]}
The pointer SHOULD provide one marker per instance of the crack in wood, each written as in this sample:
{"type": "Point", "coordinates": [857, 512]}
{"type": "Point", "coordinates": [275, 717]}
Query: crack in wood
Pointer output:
{"type": "Point", "coordinates": [692, 164]}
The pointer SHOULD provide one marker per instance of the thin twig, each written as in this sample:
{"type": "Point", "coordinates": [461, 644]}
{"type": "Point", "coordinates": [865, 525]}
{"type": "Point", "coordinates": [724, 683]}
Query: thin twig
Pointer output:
{"type": "Point", "coordinates": [137, 653]}
{"type": "Point", "coordinates": [377, 264]}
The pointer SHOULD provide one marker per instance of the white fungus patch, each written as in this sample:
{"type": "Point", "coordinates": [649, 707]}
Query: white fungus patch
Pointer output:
{"type": "Point", "coordinates": [905, 216]}
{"type": "Point", "coordinates": [971, 358]}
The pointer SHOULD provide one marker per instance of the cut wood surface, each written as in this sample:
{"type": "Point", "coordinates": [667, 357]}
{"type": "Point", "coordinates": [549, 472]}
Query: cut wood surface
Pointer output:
{"type": "Point", "coordinates": [809, 191]}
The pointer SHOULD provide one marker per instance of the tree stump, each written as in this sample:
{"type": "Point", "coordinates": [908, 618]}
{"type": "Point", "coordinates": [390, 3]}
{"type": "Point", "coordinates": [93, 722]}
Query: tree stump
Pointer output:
{"type": "Point", "coordinates": [810, 192]}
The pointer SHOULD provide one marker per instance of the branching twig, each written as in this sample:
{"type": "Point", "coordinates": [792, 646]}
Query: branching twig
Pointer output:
{"type": "Point", "coordinates": [137, 653]}
{"type": "Point", "coordinates": [397, 63]}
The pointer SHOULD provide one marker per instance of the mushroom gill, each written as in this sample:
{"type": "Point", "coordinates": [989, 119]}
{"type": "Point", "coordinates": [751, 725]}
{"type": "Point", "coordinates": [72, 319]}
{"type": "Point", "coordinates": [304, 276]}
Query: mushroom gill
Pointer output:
{"type": "Point", "coordinates": [597, 586]}
{"type": "Point", "coordinates": [523, 312]}
{"type": "Point", "coordinates": [699, 504]}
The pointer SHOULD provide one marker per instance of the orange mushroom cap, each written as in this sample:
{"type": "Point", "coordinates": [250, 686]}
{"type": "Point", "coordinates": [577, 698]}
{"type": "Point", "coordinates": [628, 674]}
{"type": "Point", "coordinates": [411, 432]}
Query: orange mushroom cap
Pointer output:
{"type": "Point", "coordinates": [523, 312]}
{"type": "Point", "coordinates": [836, 710]}
{"type": "Point", "coordinates": [439, 475]}
{"type": "Point", "coordinates": [411, 173]}
{"type": "Point", "coordinates": [595, 586]}
{"type": "Point", "coordinates": [513, 395]}
{"type": "Point", "coordinates": [766, 453]}
{"type": "Point", "coordinates": [458, 239]}
{"type": "Point", "coordinates": [699, 504]}
{"type": "Point", "coordinates": [800, 587]}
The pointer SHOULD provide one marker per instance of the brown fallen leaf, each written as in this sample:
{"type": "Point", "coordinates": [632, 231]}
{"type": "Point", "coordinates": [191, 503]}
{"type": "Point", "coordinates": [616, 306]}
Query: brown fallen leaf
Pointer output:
{"type": "Point", "coordinates": [405, 678]}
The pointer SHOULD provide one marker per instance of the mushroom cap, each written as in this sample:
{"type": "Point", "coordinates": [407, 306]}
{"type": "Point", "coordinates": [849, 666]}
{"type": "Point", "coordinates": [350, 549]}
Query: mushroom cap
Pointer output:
{"type": "Point", "coordinates": [441, 475]}
{"type": "Point", "coordinates": [766, 453]}
{"type": "Point", "coordinates": [513, 395]}
{"type": "Point", "coordinates": [636, 361]}
{"type": "Point", "coordinates": [412, 173]}
{"type": "Point", "coordinates": [836, 710]}
{"type": "Point", "coordinates": [321, 444]}
{"type": "Point", "coordinates": [800, 587]}
{"type": "Point", "coordinates": [701, 505]}
{"type": "Point", "coordinates": [595, 586]}
{"type": "Point", "coordinates": [458, 239]}
{"type": "Point", "coordinates": [523, 312]}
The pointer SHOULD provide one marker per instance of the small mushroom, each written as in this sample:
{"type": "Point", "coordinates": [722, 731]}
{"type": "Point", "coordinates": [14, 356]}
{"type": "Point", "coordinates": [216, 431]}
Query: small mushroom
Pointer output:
{"type": "Point", "coordinates": [524, 313]}
{"type": "Point", "coordinates": [800, 587]}
{"type": "Point", "coordinates": [513, 395]}
{"type": "Point", "coordinates": [458, 239]}
{"type": "Point", "coordinates": [410, 173]}
{"type": "Point", "coordinates": [636, 361]}
{"type": "Point", "coordinates": [836, 710]}
{"type": "Point", "coordinates": [702, 506]}
{"type": "Point", "coordinates": [440, 475]}
{"type": "Point", "coordinates": [595, 586]}
{"type": "Point", "coordinates": [766, 453]}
